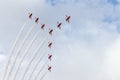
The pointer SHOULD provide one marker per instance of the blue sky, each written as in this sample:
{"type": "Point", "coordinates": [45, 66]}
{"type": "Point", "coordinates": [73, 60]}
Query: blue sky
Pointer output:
{"type": "Point", "coordinates": [87, 48]}
{"type": "Point", "coordinates": [114, 2]}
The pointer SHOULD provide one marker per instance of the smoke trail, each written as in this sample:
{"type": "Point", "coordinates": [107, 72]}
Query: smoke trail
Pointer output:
{"type": "Point", "coordinates": [25, 53]}
{"type": "Point", "coordinates": [35, 54]}
{"type": "Point", "coordinates": [43, 75]}
{"type": "Point", "coordinates": [38, 62]}
{"type": "Point", "coordinates": [18, 51]}
{"type": "Point", "coordinates": [13, 47]}
{"type": "Point", "coordinates": [40, 70]}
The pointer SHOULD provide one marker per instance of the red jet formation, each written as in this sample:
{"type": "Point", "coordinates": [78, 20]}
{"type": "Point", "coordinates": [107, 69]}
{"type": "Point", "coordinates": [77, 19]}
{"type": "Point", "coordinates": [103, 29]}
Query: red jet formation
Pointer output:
{"type": "Point", "coordinates": [49, 68]}
{"type": "Point", "coordinates": [68, 18]}
{"type": "Point", "coordinates": [42, 26]}
{"type": "Point", "coordinates": [49, 44]}
{"type": "Point", "coordinates": [59, 25]}
{"type": "Point", "coordinates": [50, 31]}
{"type": "Point", "coordinates": [30, 15]}
{"type": "Point", "coordinates": [36, 19]}
{"type": "Point", "coordinates": [49, 56]}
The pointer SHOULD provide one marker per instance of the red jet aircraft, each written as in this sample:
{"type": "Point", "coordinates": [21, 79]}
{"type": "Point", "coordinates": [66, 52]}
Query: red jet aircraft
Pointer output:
{"type": "Point", "coordinates": [49, 68]}
{"type": "Point", "coordinates": [49, 44]}
{"type": "Point", "coordinates": [36, 19]}
{"type": "Point", "coordinates": [50, 31]}
{"type": "Point", "coordinates": [42, 26]}
{"type": "Point", "coordinates": [49, 56]}
{"type": "Point", "coordinates": [59, 25]}
{"type": "Point", "coordinates": [68, 18]}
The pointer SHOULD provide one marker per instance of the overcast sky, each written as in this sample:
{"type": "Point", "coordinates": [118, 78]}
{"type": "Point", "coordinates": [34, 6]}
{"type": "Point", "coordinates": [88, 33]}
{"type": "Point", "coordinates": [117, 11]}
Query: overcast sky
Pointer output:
{"type": "Point", "coordinates": [85, 49]}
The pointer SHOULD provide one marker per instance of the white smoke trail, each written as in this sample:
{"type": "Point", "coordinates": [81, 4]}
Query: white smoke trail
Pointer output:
{"type": "Point", "coordinates": [43, 75]}
{"type": "Point", "coordinates": [40, 70]}
{"type": "Point", "coordinates": [13, 47]}
{"type": "Point", "coordinates": [37, 64]}
{"type": "Point", "coordinates": [35, 54]}
{"type": "Point", "coordinates": [18, 51]}
{"type": "Point", "coordinates": [25, 53]}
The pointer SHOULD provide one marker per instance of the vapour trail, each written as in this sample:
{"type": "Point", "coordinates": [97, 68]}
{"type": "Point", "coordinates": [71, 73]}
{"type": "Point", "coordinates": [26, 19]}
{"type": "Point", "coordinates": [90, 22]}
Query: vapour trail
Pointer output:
{"type": "Point", "coordinates": [37, 64]}
{"type": "Point", "coordinates": [40, 70]}
{"type": "Point", "coordinates": [13, 47]}
{"type": "Point", "coordinates": [43, 75]}
{"type": "Point", "coordinates": [25, 53]}
{"type": "Point", "coordinates": [18, 51]}
{"type": "Point", "coordinates": [35, 54]}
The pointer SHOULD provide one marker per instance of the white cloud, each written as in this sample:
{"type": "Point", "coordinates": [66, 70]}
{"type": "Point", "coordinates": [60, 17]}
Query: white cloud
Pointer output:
{"type": "Point", "coordinates": [112, 60]}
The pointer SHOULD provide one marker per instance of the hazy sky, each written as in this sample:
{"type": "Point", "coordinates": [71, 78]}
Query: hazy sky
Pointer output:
{"type": "Point", "coordinates": [85, 49]}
